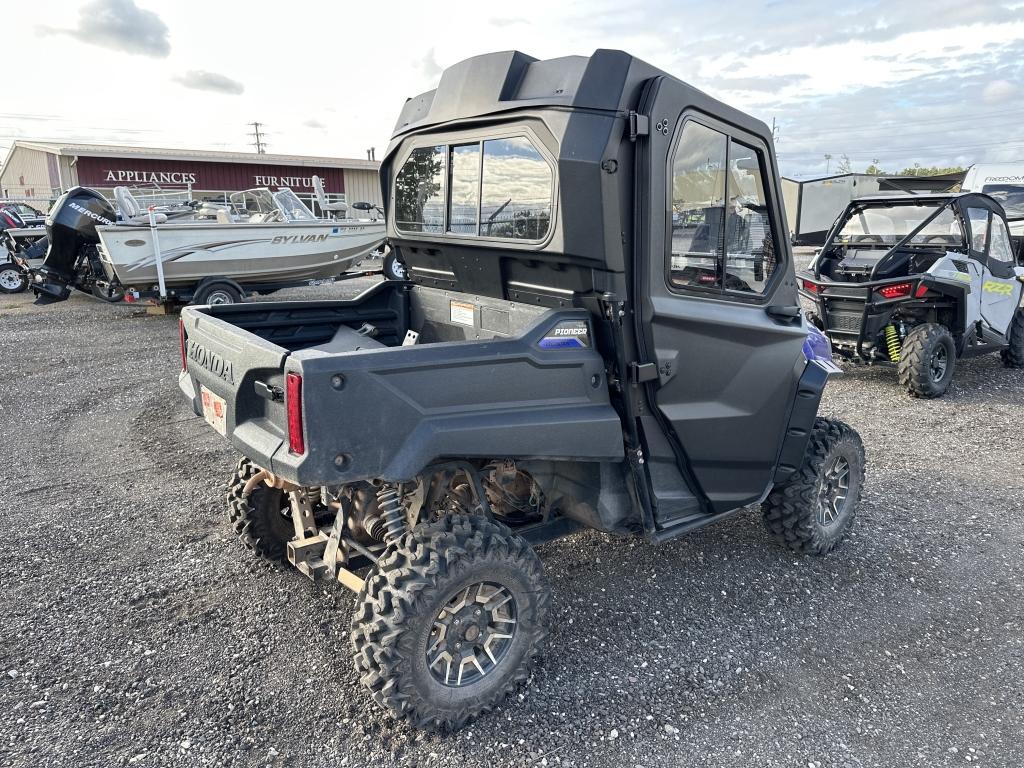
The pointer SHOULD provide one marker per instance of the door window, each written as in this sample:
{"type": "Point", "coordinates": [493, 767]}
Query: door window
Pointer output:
{"type": "Point", "coordinates": [749, 246]}
{"type": "Point", "coordinates": [979, 228]}
{"type": "Point", "coordinates": [697, 207]}
{"type": "Point", "coordinates": [999, 248]}
{"type": "Point", "coordinates": [721, 228]}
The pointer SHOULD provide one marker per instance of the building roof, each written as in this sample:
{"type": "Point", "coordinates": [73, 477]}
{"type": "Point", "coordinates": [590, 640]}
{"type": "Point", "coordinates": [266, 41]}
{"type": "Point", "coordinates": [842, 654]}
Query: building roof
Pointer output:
{"type": "Point", "coordinates": [70, 149]}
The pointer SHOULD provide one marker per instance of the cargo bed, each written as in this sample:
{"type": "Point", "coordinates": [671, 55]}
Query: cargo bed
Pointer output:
{"type": "Point", "coordinates": [325, 392]}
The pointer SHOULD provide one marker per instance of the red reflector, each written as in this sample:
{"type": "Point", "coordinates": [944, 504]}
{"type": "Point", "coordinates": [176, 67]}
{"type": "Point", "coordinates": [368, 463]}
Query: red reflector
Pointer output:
{"type": "Point", "coordinates": [181, 340]}
{"type": "Point", "coordinates": [922, 289]}
{"type": "Point", "coordinates": [895, 291]}
{"type": "Point", "coordinates": [293, 402]}
{"type": "Point", "coordinates": [810, 287]}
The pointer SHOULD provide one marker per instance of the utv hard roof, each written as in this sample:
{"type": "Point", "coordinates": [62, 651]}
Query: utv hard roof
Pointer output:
{"type": "Point", "coordinates": [493, 83]}
{"type": "Point", "coordinates": [961, 198]}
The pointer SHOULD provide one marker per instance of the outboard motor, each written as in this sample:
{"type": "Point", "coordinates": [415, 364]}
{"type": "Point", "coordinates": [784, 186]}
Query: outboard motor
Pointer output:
{"type": "Point", "coordinates": [70, 227]}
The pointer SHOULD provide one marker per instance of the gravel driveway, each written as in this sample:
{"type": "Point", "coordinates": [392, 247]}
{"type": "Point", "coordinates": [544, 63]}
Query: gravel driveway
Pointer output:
{"type": "Point", "coordinates": [136, 631]}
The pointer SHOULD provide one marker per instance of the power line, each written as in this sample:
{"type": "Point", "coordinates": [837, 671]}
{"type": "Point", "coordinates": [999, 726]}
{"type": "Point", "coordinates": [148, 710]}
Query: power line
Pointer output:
{"type": "Point", "coordinates": [261, 146]}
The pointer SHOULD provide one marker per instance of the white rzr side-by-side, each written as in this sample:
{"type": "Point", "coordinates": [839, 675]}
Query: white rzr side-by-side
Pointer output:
{"type": "Point", "coordinates": [918, 281]}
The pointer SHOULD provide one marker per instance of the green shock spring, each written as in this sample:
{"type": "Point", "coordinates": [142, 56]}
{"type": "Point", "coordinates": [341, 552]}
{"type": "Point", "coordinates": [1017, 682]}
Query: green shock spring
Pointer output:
{"type": "Point", "coordinates": [892, 343]}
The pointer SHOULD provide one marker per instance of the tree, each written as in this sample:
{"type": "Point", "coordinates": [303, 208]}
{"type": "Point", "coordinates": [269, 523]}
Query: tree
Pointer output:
{"type": "Point", "coordinates": [844, 164]}
{"type": "Point", "coordinates": [918, 170]}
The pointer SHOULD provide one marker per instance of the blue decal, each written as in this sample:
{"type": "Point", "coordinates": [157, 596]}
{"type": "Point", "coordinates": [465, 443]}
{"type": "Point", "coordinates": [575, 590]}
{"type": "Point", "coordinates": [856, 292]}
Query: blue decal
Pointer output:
{"type": "Point", "coordinates": [558, 343]}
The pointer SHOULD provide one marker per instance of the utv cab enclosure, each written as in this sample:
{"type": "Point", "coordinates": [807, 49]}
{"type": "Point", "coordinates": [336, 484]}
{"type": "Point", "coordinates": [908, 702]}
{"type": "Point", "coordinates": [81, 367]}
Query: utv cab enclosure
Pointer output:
{"type": "Point", "coordinates": [918, 281]}
{"type": "Point", "coordinates": [599, 328]}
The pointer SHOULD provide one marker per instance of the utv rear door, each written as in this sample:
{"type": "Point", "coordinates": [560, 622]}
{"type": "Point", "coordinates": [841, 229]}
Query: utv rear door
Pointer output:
{"type": "Point", "coordinates": [717, 294]}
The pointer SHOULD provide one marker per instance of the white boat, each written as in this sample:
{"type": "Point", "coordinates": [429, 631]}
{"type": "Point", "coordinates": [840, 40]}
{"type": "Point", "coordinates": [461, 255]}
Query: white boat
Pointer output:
{"type": "Point", "coordinates": [264, 238]}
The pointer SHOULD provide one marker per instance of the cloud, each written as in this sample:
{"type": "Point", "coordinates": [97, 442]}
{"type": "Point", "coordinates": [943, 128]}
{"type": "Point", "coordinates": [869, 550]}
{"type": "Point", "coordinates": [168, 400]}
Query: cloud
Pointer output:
{"type": "Point", "coordinates": [201, 80]}
{"type": "Point", "coordinates": [119, 25]}
{"type": "Point", "coordinates": [315, 124]}
{"type": "Point", "coordinates": [999, 92]}
{"type": "Point", "coordinates": [429, 65]}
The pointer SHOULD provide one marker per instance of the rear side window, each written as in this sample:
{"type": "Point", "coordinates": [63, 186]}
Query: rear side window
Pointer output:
{"type": "Point", "coordinates": [516, 190]}
{"type": "Point", "coordinates": [721, 228]}
{"type": "Point", "coordinates": [419, 191]}
{"type": "Point", "coordinates": [979, 228]}
{"type": "Point", "coordinates": [465, 185]}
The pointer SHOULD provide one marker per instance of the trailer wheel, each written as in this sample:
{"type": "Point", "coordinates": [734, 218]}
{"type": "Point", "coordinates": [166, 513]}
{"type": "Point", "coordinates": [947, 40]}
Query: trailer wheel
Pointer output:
{"type": "Point", "coordinates": [12, 279]}
{"type": "Point", "coordinates": [1013, 356]}
{"type": "Point", "coordinates": [113, 295]}
{"type": "Point", "coordinates": [393, 268]}
{"type": "Point", "coordinates": [449, 621]}
{"type": "Point", "coordinates": [812, 510]}
{"type": "Point", "coordinates": [260, 520]}
{"type": "Point", "coordinates": [217, 293]}
{"type": "Point", "coordinates": [927, 360]}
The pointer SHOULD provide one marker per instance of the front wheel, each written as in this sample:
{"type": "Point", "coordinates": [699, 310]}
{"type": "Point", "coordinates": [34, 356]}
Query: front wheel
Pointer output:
{"type": "Point", "coordinates": [12, 278]}
{"type": "Point", "coordinates": [1013, 356]}
{"type": "Point", "coordinates": [927, 360]}
{"type": "Point", "coordinates": [449, 621]}
{"type": "Point", "coordinates": [812, 510]}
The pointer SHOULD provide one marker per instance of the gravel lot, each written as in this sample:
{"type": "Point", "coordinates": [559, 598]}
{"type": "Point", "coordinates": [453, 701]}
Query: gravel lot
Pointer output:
{"type": "Point", "coordinates": [136, 631]}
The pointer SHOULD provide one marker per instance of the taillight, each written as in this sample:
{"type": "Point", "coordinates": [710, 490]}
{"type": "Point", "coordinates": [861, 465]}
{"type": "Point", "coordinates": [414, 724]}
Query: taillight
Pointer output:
{"type": "Point", "coordinates": [922, 289]}
{"type": "Point", "coordinates": [810, 287]}
{"type": "Point", "coordinates": [293, 402]}
{"type": "Point", "coordinates": [181, 341]}
{"type": "Point", "coordinates": [895, 291]}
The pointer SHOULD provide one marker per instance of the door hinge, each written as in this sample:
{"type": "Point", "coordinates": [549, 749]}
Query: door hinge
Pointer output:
{"type": "Point", "coordinates": [641, 372]}
{"type": "Point", "coordinates": [639, 125]}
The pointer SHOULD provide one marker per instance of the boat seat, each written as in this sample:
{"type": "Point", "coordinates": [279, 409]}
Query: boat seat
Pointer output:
{"type": "Point", "coordinates": [321, 198]}
{"type": "Point", "coordinates": [223, 217]}
{"type": "Point", "coordinates": [131, 211]}
{"type": "Point", "coordinates": [346, 339]}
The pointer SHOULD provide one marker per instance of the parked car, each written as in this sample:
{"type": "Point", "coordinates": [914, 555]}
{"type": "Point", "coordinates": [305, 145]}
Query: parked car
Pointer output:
{"type": "Point", "coordinates": [563, 354]}
{"type": "Point", "coordinates": [917, 282]}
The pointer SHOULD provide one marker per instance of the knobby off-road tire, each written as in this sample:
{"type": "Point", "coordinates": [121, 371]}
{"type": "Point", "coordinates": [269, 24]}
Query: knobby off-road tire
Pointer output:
{"type": "Point", "coordinates": [927, 361]}
{"type": "Point", "coordinates": [406, 600]}
{"type": "Point", "coordinates": [801, 512]}
{"type": "Point", "coordinates": [1013, 356]}
{"type": "Point", "coordinates": [257, 519]}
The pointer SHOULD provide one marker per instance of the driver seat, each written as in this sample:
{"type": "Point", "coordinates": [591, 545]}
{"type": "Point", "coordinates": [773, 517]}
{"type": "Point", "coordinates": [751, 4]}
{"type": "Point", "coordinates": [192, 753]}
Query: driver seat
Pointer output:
{"type": "Point", "coordinates": [131, 211]}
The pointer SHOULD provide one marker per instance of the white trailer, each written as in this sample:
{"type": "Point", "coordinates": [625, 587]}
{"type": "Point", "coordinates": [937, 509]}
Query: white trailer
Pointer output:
{"type": "Point", "coordinates": [1004, 182]}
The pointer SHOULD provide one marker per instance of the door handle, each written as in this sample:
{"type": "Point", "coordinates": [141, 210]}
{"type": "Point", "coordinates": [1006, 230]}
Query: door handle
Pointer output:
{"type": "Point", "coordinates": [783, 312]}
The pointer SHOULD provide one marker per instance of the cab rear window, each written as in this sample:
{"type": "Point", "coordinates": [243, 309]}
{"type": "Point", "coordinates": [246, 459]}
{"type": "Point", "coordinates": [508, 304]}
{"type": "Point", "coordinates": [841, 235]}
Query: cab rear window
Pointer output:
{"type": "Point", "coordinates": [495, 188]}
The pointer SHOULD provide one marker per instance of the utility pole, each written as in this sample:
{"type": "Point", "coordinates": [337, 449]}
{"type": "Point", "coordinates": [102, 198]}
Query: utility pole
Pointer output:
{"type": "Point", "coordinates": [775, 132]}
{"type": "Point", "coordinates": [258, 142]}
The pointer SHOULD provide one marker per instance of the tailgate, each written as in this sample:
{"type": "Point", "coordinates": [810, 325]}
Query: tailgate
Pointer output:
{"type": "Point", "coordinates": [241, 376]}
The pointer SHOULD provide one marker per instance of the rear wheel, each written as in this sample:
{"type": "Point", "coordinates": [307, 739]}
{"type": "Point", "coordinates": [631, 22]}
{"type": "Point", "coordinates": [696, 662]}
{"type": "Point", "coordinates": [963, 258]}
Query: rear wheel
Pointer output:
{"type": "Point", "coordinates": [1013, 356]}
{"type": "Point", "coordinates": [12, 279]}
{"type": "Point", "coordinates": [393, 268]}
{"type": "Point", "coordinates": [261, 519]}
{"type": "Point", "coordinates": [815, 507]}
{"type": "Point", "coordinates": [449, 621]}
{"type": "Point", "coordinates": [927, 360]}
{"type": "Point", "coordinates": [218, 293]}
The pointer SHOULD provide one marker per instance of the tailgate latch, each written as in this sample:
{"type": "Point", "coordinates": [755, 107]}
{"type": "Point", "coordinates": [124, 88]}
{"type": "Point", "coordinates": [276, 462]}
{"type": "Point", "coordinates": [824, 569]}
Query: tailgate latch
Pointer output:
{"type": "Point", "coordinates": [268, 391]}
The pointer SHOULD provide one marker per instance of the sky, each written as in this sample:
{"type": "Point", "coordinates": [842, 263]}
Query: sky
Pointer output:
{"type": "Point", "coordinates": [931, 82]}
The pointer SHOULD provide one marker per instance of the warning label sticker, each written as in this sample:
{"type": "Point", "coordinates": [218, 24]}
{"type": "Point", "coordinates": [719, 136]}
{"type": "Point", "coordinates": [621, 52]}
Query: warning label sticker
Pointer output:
{"type": "Point", "coordinates": [462, 313]}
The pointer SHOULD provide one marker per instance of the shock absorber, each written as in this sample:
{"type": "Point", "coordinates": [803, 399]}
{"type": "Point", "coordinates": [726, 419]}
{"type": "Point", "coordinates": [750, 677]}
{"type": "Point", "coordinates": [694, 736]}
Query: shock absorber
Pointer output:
{"type": "Point", "coordinates": [893, 343]}
{"type": "Point", "coordinates": [392, 513]}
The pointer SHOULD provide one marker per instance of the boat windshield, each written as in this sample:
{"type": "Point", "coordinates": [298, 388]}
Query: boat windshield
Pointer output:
{"type": "Point", "coordinates": [1010, 196]}
{"type": "Point", "coordinates": [888, 223]}
{"type": "Point", "coordinates": [292, 208]}
{"type": "Point", "coordinates": [253, 201]}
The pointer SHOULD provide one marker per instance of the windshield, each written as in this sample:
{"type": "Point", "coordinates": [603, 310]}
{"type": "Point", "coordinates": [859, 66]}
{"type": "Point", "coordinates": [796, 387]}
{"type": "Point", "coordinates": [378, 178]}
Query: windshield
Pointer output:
{"type": "Point", "coordinates": [888, 223]}
{"type": "Point", "coordinates": [292, 208]}
{"type": "Point", "coordinates": [1010, 196]}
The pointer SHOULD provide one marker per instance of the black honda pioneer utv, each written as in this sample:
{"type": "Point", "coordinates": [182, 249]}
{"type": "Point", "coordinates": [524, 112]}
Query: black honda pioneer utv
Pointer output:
{"type": "Point", "coordinates": [599, 329]}
{"type": "Point", "coordinates": [917, 281]}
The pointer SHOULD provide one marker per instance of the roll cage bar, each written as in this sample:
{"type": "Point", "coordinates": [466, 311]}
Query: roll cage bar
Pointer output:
{"type": "Point", "coordinates": [857, 205]}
